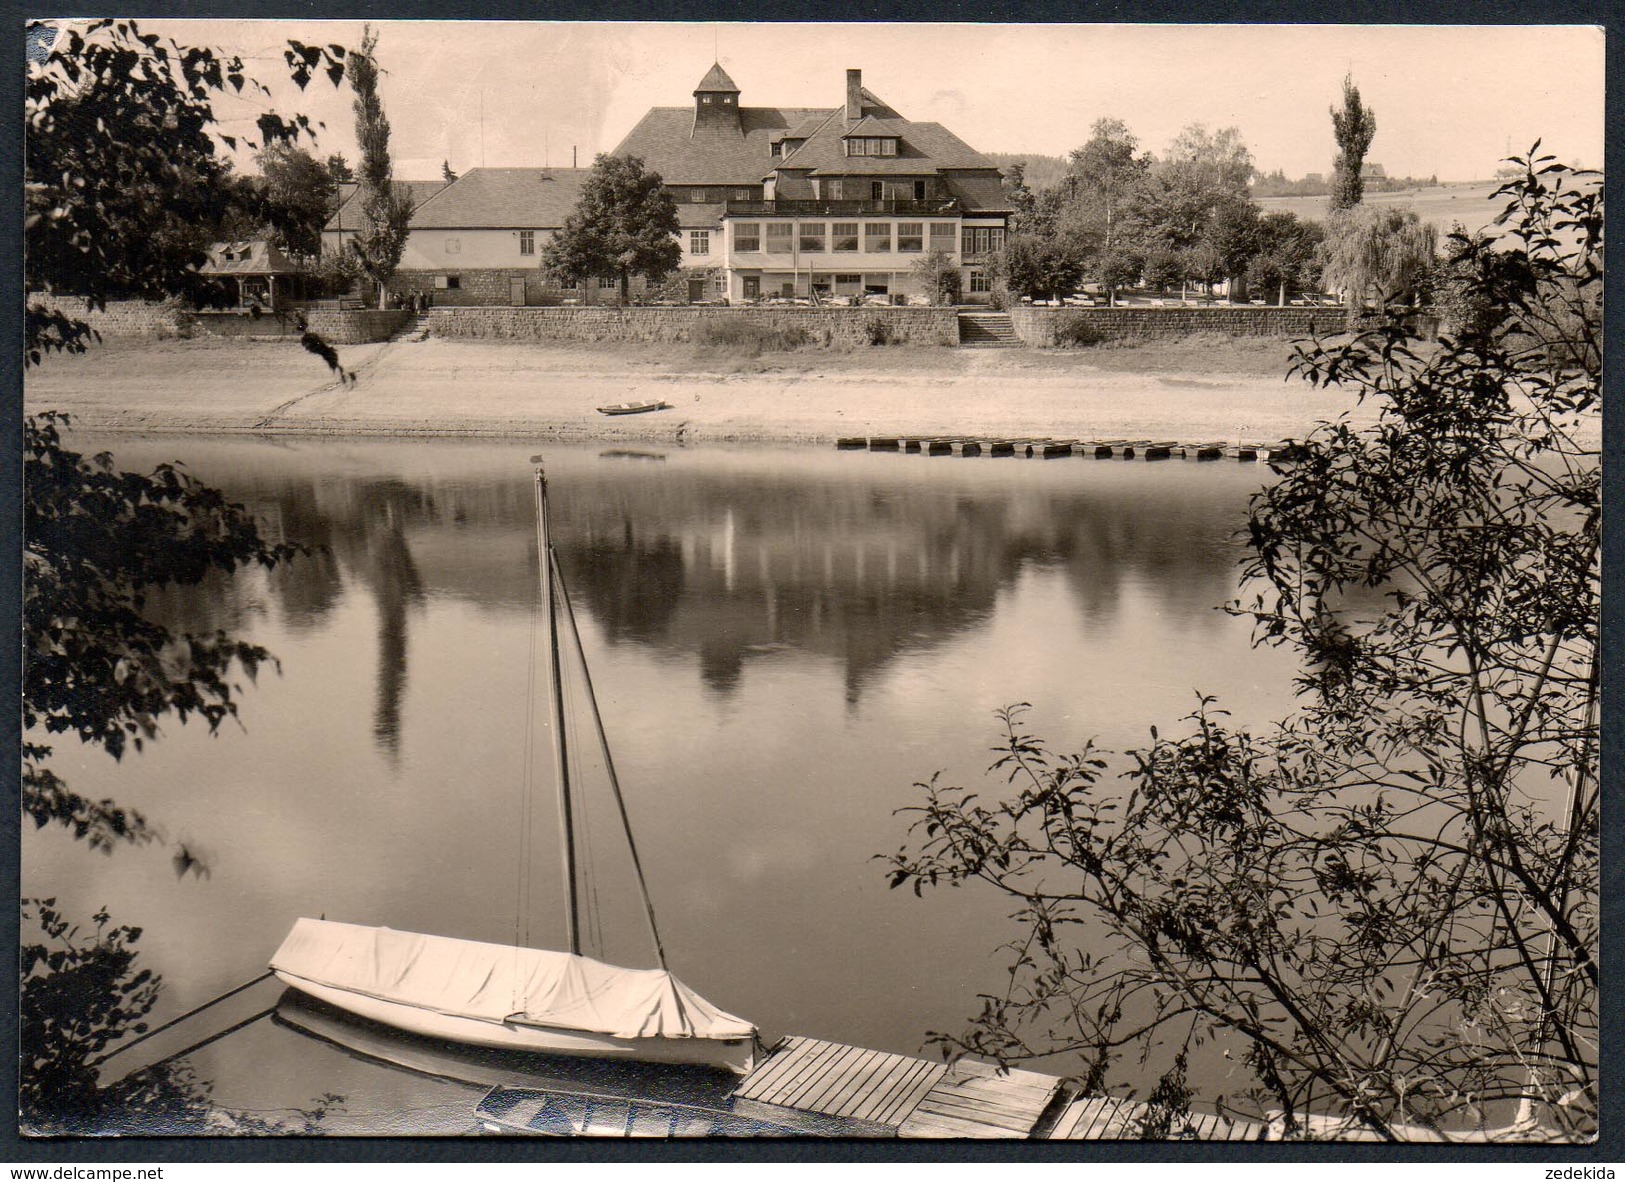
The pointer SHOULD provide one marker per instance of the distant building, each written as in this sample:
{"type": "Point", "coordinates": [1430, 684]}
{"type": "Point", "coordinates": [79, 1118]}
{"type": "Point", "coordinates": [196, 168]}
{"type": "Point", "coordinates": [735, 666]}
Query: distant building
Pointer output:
{"type": "Point", "coordinates": [837, 201]}
{"type": "Point", "coordinates": [1372, 172]}
{"type": "Point", "coordinates": [255, 276]}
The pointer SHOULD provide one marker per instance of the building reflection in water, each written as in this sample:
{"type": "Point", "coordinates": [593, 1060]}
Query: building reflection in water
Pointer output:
{"type": "Point", "coordinates": [725, 567]}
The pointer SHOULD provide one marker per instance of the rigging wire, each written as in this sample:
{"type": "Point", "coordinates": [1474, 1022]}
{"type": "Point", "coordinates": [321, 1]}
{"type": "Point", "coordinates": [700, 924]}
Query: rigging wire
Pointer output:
{"type": "Point", "coordinates": [609, 768]}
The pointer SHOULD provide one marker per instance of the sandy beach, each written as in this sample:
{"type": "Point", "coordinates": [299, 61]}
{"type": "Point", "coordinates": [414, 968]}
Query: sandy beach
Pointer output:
{"type": "Point", "coordinates": [1190, 392]}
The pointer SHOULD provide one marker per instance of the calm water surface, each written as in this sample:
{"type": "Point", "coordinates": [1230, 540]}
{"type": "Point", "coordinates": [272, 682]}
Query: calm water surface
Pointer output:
{"type": "Point", "coordinates": [783, 641]}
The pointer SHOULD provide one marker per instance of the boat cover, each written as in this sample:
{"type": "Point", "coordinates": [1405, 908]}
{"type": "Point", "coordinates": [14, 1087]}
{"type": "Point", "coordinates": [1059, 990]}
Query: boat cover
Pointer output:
{"type": "Point", "coordinates": [498, 982]}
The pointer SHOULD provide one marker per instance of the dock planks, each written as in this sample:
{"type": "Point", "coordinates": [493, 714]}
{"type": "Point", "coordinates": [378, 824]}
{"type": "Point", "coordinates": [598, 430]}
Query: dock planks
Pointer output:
{"type": "Point", "coordinates": [811, 1075]}
{"type": "Point", "coordinates": [1114, 1118]}
{"type": "Point", "coordinates": [973, 1099]}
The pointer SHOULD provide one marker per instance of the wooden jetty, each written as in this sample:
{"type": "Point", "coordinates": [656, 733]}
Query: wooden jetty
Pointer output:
{"type": "Point", "coordinates": [898, 1094]}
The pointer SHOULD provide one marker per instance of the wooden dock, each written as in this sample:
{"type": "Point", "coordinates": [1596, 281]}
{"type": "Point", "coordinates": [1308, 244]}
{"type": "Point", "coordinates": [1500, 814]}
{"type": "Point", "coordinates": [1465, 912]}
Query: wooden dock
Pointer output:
{"type": "Point", "coordinates": [1281, 452]}
{"type": "Point", "coordinates": [1113, 1118]}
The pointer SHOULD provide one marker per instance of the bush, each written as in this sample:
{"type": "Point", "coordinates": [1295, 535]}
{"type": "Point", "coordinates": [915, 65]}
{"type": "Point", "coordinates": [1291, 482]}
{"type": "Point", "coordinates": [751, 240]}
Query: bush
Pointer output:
{"type": "Point", "coordinates": [747, 336]}
{"type": "Point", "coordinates": [1076, 332]}
{"type": "Point", "coordinates": [879, 331]}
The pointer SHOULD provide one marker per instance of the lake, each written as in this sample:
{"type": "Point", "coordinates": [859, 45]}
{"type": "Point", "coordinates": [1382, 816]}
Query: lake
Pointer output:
{"type": "Point", "coordinates": [782, 641]}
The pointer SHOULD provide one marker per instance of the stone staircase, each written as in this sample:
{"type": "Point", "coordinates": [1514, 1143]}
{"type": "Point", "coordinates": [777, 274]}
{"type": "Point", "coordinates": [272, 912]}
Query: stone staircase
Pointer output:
{"type": "Point", "coordinates": [987, 330]}
{"type": "Point", "coordinates": [415, 329]}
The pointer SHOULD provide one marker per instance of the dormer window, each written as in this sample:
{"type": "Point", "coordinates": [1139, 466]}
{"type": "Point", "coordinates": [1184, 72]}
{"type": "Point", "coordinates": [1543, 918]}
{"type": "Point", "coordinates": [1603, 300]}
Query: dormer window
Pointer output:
{"type": "Point", "coordinates": [871, 145]}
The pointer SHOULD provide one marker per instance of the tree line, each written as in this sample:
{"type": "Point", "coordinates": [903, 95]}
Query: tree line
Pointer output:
{"type": "Point", "coordinates": [1121, 217]}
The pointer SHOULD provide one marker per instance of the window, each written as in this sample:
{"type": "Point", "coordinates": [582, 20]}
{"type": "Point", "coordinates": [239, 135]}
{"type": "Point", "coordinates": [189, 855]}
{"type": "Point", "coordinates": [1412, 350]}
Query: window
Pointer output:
{"type": "Point", "coordinates": [699, 242]}
{"type": "Point", "coordinates": [979, 282]}
{"type": "Point", "coordinates": [877, 191]}
{"type": "Point", "coordinates": [981, 240]}
{"type": "Point", "coordinates": [845, 235]}
{"type": "Point", "coordinates": [606, 283]}
{"type": "Point", "coordinates": [778, 148]}
{"type": "Point", "coordinates": [527, 242]}
{"type": "Point", "coordinates": [877, 237]}
{"type": "Point", "coordinates": [569, 284]}
{"type": "Point", "coordinates": [779, 237]}
{"type": "Point", "coordinates": [910, 237]}
{"type": "Point", "coordinates": [812, 236]}
{"type": "Point", "coordinates": [706, 99]}
{"type": "Point", "coordinates": [719, 283]}
{"type": "Point", "coordinates": [942, 237]}
{"type": "Point", "coordinates": [448, 282]}
{"type": "Point", "coordinates": [919, 190]}
{"type": "Point", "coordinates": [727, 100]}
{"type": "Point", "coordinates": [747, 237]}
{"type": "Point", "coordinates": [696, 196]}
{"type": "Point", "coordinates": [454, 246]}
{"type": "Point", "coordinates": [743, 194]}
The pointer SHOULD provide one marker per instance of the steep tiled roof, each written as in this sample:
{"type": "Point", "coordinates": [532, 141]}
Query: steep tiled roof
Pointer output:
{"type": "Point", "coordinates": [668, 143]}
{"type": "Point", "coordinates": [691, 216]}
{"type": "Point", "coordinates": [503, 198]}
{"type": "Point", "coordinates": [925, 147]}
{"type": "Point", "coordinates": [348, 214]}
{"type": "Point", "coordinates": [870, 125]}
{"type": "Point", "coordinates": [979, 192]}
{"type": "Point", "coordinates": [227, 258]}
{"type": "Point", "coordinates": [716, 80]}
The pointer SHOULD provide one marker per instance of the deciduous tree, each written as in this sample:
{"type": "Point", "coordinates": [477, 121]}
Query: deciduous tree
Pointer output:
{"type": "Point", "coordinates": [1386, 906]}
{"type": "Point", "coordinates": [123, 177]}
{"type": "Point", "coordinates": [1377, 254]}
{"type": "Point", "coordinates": [625, 224]}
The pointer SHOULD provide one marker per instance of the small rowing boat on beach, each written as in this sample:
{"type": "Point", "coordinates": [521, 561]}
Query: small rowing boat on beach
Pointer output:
{"type": "Point", "coordinates": [633, 408]}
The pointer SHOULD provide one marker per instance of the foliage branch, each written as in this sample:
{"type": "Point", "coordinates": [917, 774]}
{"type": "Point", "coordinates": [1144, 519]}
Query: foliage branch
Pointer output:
{"type": "Point", "coordinates": [1387, 902]}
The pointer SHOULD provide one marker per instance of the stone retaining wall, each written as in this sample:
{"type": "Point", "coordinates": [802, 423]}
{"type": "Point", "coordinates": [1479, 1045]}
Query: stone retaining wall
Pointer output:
{"type": "Point", "coordinates": [121, 318]}
{"type": "Point", "coordinates": [138, 318]}
{"type": "Point", "coordinates": [1037, 326]}
{"type": "Point", "coordinates": [346, 326]}
{"type": "Point", "coordinates": [819, 326]}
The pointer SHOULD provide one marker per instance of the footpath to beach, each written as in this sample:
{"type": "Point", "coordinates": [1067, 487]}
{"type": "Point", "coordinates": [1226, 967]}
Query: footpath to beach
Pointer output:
{"type": "Point", "coordinates": [469, 388]}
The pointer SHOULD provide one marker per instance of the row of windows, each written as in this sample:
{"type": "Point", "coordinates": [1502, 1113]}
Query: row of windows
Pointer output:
{"type": "Point", "coordinates": [842, 237]}
{"type": "Point", "coordinates": [867, 145]}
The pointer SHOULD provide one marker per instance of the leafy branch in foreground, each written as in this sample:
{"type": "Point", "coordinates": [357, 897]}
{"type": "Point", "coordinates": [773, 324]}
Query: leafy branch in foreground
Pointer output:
{"type": "Point", "coordinates": [97, 541]}
{"type": "Point", "coordinates": [1389, 899]}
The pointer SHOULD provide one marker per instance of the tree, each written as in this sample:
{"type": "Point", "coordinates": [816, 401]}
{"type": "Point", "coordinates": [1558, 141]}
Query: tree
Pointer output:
{"type": "Point", "coordinates": [386, 212]}
{"type": "Point", "coordinates": [1376, 254]}
{"type": "Point", "coordinates": [339, 169]}
{"type": "Point", "coordinates": [624, 224]}
{"type": "Point", "coordinates": [1108, 171]}
{"type": "Point", "coordinates": [938, 276]}
{"type": "Point", "coordinates": [1013, 178]}
{"type": "Point", "coordinates": [446, 174]}
{"type": "Point", "coordinates": [96, 541]}
{"type": "Point", "coordinates": [1353, 128]}
{"type": "Point", "coordinates": [1036, 268]}
{"type": "Point", "coordinates": [299, 193]}
{"type": "Point", "coordinates": [1286, 257]}
{"type": "Point", "coordinates": [1387, 902]}
{"type": "Point", "coordinates": [112, 209]}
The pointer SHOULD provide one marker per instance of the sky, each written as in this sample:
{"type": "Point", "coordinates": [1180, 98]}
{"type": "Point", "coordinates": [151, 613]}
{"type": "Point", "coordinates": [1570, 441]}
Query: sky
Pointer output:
{"type": "Point", "coordinates": [1449, 100]}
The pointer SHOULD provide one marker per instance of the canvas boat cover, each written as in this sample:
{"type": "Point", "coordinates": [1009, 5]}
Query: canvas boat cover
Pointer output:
{"type": "Point", "coordinates": [497, 982]}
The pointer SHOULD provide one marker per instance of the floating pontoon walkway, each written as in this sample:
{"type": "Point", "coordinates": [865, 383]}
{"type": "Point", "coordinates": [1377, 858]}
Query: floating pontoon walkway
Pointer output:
{"type": "Point", "coordinates": [1280, 451]}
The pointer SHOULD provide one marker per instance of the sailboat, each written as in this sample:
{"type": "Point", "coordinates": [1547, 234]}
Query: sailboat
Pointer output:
{"type": "Point", "coordinates": [511, 996]}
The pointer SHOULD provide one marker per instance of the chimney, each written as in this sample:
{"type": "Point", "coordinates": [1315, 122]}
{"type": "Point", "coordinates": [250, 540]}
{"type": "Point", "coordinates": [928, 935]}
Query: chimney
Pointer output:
{"type": "Point", "coordinates": [854, 96]}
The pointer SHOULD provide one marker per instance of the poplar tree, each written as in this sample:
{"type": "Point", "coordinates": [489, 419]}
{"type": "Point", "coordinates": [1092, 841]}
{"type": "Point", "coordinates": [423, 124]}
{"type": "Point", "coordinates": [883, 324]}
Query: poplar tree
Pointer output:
{"type": "Point", "coordinates": [386, 213]}
{"type": "Point", "coordinates": [1353, 128]}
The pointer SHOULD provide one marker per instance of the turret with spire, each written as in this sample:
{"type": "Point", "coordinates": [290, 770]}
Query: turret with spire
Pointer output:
{"type": "Point", "coordinates": [716, 102]}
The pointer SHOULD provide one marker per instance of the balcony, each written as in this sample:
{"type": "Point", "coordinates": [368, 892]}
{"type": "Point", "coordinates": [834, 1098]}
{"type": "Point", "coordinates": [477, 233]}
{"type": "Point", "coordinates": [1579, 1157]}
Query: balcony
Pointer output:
{"type": "Point", "coordinates": [813, 206]}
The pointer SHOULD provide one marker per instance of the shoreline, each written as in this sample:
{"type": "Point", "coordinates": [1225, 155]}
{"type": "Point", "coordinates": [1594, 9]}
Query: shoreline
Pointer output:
{"type": "Point", "coordinates": [475, 389]}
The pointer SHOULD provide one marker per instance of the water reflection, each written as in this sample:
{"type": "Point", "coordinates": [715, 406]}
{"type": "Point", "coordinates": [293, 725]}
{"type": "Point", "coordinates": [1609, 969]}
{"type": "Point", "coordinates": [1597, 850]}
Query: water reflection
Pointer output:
{"type": "Point", "coordinates": [729, 567]}
{"type": "Point", "coordinates": [783, 643]}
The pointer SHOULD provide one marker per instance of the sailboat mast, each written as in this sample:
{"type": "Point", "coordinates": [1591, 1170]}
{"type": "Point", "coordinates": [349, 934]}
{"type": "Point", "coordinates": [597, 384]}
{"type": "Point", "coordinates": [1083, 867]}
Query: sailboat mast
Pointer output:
{"type": "Point", "coordinates": [555, 690]}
